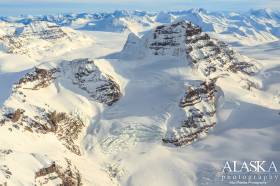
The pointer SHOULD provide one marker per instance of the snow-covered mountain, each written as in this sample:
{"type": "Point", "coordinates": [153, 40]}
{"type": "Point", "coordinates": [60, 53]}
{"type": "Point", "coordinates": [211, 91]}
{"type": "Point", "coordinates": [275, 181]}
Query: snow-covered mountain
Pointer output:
{"type": "Point", "coordinates": [165, 103]}
{"type": "Point", "coordinates": [211, 59]}
{"type": "Point", "coordinates": [41, 103]}
{"type": "Point", "coordinates": [82, 75]}
{"type": "Point", "coordinates": [40, 38]}
{"type": "Point", "coordinates": [255, 26]}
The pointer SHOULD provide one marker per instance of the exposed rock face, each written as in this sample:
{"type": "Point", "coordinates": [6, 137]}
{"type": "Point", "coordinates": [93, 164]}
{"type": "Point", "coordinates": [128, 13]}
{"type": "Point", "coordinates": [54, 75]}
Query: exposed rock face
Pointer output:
{"type": "Point", "coordinates": [5, 172]}
{"type": "Point", "coordinates": [39, 78]}
{"type": "Point", "coordinates": [68, 175]}
{"type": "Point", "coordinates": [15, 116]}
{"type": "Point", "coordinates": [83, 73]}
{"type": "Point", "coordinates": [99, 86]}
{"type": "Point", "coordinates": [12, 44]}
{"type": "Point", "coordinates": [6, 151]}
{"type": "Point", "coordinates": [199, 103]}
{"type": "Point", "coordinates": [205, 91]}
{"type": "Point", "coordinates": [67, 128]}
{"type": "Point", "coordinates": [207, 55]}
{"type": "Point", "coordinates": [171, 39]}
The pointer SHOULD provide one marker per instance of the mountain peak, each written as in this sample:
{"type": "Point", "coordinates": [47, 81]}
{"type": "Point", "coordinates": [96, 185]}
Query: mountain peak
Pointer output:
{"type": "Point", "coordinates": [184, 39]}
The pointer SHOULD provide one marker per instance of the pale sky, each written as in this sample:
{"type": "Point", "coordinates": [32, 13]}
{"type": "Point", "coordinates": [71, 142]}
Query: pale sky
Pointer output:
{"type": "Point", "coordinates": [17, 7]}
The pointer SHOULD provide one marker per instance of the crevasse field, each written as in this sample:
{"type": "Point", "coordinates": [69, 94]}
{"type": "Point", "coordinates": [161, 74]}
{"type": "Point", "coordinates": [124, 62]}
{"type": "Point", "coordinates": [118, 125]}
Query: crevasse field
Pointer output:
{"type": "Point", "coordinates": [118, 99]}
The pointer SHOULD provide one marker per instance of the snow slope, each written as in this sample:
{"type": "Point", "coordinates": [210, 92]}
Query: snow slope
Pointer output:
{"type": "Point", "coordinates": [123, 143]}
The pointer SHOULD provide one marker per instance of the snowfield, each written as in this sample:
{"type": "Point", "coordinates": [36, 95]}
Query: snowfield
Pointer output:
{"type": "Point", "coordinates": [103, 99]}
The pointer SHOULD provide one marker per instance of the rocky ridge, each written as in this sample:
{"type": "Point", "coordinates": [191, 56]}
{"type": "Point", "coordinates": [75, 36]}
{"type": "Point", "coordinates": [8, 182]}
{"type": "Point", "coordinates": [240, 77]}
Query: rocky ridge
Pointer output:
{"type": "Point", "coordinates": [199, 104]}
{"type": "Point", "coordinates": [65, 175]}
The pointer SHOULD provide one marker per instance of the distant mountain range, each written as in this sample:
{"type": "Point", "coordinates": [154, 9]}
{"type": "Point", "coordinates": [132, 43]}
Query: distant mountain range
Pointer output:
{"type": "Point", "coordinates": [253, 26]}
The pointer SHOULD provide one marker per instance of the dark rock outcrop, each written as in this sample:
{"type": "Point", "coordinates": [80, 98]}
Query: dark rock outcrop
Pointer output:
{"type": "Point", "coordinates": [39, 78]}
{"type": "Point", "coordinates": [83, 73]}
{"type": "Point", "coordinates": [199, 103]}
{"type": "Point", "coordinates": [68, 176]}
{"type": "Point", "coordinates": [67, 128]}
{"type": "Point", "coordinates": [15, 116]}
{"type": "Point", "coordinates": [89, 78]}
{"type": "Point", "coordinates": [206, 54]}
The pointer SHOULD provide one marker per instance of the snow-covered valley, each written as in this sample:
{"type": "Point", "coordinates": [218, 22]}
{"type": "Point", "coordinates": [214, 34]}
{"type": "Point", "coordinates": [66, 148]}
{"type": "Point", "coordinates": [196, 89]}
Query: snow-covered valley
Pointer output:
{"type": "Point", "coordinates": [163, 107]}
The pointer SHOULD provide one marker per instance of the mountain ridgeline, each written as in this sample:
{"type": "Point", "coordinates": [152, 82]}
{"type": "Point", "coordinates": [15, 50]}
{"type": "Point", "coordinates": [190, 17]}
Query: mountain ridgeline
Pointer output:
{"type": "Point", "coordinates": [252, 27]}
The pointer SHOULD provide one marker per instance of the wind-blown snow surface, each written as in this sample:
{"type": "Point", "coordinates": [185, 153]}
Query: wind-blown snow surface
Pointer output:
{"type": "Point", "coordinates": [122, 144]}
